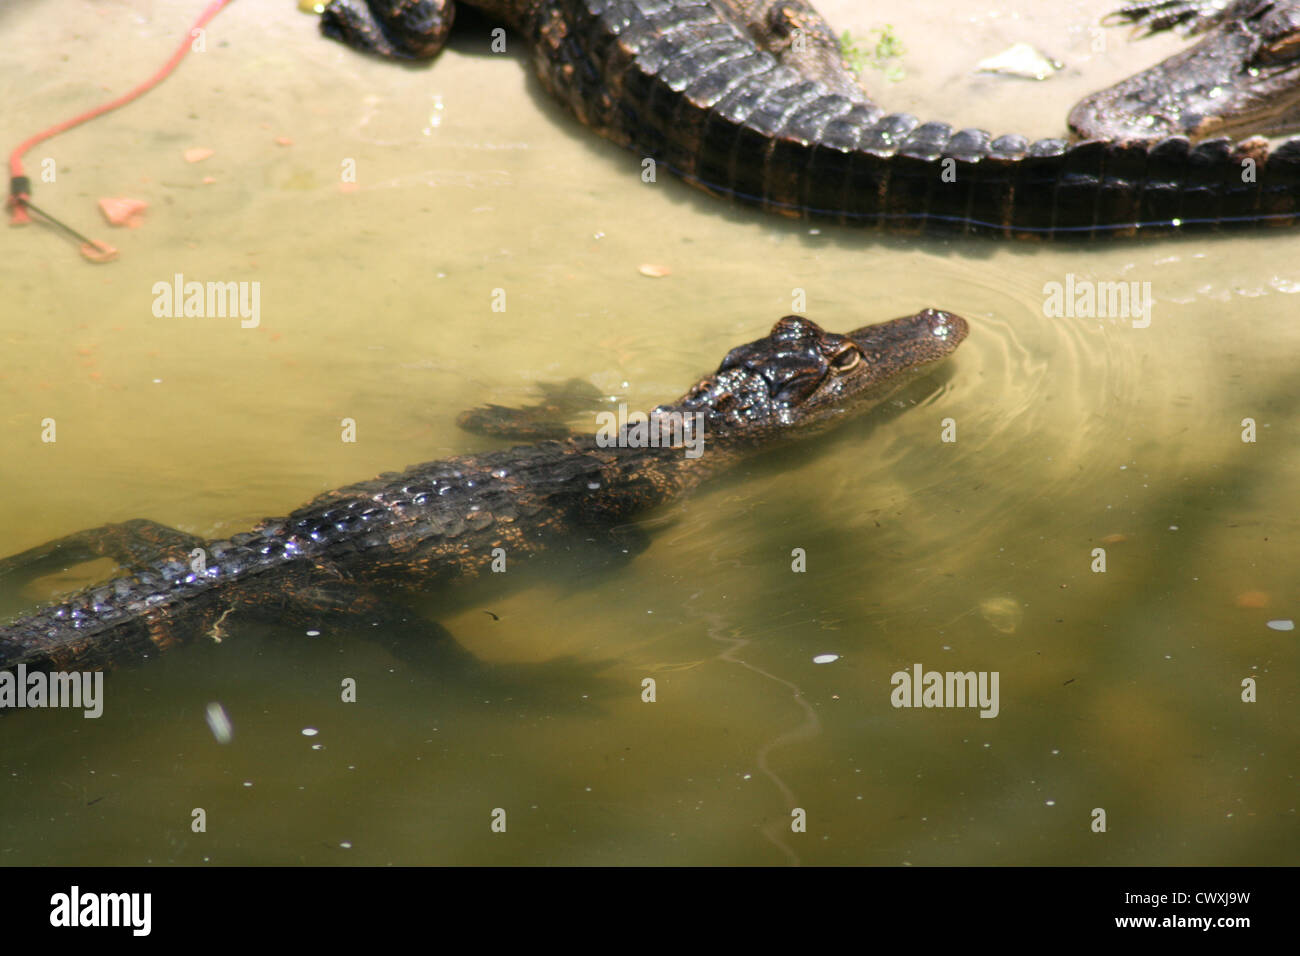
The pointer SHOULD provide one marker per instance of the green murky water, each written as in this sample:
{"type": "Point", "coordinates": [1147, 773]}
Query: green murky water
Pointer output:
{"type": "Point", "coordinates": [1119, 691]}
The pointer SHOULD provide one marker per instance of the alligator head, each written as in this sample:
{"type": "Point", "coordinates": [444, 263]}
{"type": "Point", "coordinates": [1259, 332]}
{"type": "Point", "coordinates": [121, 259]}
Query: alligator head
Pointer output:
{"type": "Point", "coordinates": [801, 378]}
{"type": "Point", "coordinates": [1244, 77]}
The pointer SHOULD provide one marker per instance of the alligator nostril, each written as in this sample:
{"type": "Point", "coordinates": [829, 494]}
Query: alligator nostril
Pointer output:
{"type": "Point", "coordinates": [945, 325]}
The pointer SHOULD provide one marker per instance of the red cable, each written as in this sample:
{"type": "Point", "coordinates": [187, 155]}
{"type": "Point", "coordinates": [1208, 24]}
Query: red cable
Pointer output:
{"type": "Point", "coordinates": [20, 186]}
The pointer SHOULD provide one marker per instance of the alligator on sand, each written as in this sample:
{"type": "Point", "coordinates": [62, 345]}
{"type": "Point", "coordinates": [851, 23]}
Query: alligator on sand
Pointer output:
{"type": "Point", "coordinates": [750, 100]}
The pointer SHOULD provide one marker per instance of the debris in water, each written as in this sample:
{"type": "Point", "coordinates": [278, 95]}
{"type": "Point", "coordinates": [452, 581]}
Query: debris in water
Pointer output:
{"type": "Point", "coordinates": [97, 251]}
{"type": "Point", "coordinates": [1021, 60]}
{"type": "Point", "coordinates": [1003, 613]}
{"type": "Point", "coordinates": [123, 212]}
{"type": "Point", "coordinates": [219, 723]}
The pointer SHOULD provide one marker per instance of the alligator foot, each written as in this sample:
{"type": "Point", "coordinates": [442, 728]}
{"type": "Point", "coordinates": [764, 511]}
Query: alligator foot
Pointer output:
{"type": "Point", "coordinates": [132, 544]}
{"type": "Point", "coordinates": [1189, 16]}
{"type": "Point", "coordinates": [539, 422]}
{"type": "Point", "coordinates": [425, 651]}
{"type": "Point", "coordinates": [313, 598]}
{"type": "Point", "coordinates": [396, 29]}
{"type": "Point", "coordinates": [798, 36]}
{"type": "Point", "coordinates": [1213, 89]}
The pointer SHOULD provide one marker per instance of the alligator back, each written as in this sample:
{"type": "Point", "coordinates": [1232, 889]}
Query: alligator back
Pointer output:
{"type": "Point", "coordinates": [408, 531]}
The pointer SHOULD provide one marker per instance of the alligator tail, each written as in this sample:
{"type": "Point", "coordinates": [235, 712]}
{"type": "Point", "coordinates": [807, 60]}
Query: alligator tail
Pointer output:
{"type": "Point", "coordinates": [682, 85]}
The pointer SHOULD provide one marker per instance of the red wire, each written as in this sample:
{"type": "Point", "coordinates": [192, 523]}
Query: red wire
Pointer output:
{"type": "Point", "coordinates": [16, 157]}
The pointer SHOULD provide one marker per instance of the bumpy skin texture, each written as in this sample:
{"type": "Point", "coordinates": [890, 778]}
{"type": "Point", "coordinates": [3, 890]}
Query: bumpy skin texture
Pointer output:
{"type": "Point", "coordinates": [350, 550]}
{"type": "Point", "coordinates": [717, 91]}
{"type": "Point", "coordinates": [1244, 77]}
{"type": "Point", "coordinates": [401, 29]}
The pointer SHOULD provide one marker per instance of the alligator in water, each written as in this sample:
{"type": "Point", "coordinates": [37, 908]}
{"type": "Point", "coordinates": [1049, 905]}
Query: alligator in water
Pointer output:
{"type": "Point", "coordinates": [349, 550]}
{"type": "Point", "coordinates": [750, 100]}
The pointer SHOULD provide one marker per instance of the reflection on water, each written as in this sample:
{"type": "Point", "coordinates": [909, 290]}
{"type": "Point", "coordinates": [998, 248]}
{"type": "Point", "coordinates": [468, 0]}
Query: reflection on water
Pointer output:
{"type": "Point", "coordinates": [1119, 690]}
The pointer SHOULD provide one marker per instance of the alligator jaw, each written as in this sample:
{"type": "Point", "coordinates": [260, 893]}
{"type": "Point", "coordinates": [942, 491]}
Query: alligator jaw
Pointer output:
{"type": "Point", "coordinates": [1244, 77]}
{"type": "Point", "coordinates": [911, 343]}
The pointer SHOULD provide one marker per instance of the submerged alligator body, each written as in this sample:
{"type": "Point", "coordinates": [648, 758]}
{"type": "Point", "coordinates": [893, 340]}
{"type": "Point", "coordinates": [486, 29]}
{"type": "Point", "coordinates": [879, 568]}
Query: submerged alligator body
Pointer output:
{"type": "Point", "coordinates": [750, 100]}
{"type": "Point", "coordinates": [350, 550]}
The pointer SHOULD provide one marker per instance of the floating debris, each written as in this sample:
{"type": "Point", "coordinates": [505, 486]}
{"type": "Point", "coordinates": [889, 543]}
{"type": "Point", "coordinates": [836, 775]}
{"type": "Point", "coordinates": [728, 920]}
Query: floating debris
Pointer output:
{"type": "Point", "coordinates": [197, 154]}
{"type": "Point", "coordinates": [1021, 60]}
{"type": "Point", "coordinates": [1283, 625]}
{"type": "Point", "coordinates": [219, 723]}
{"type": "Point", "coordinates": [654, 271]}
{"type": "Point", "coordinates": [1002, 613]}
{"type": "Point", "coordinates": [97, 251]}
{"type": "Point", "coordinates": [826, 658]}
{"type": "Point", "coordinates": [123, 212]}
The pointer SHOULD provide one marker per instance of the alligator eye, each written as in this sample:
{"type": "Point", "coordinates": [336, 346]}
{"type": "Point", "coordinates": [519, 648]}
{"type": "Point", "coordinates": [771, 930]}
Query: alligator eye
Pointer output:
{"type": "Point", "coordinates": [847, 359]}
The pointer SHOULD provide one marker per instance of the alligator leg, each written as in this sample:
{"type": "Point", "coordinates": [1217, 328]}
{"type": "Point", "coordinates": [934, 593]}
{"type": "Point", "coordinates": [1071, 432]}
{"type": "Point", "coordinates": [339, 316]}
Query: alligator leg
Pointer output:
{"type": "Point", "coordinates": [1189, 16]}
{"type": "Point", "coordinates": [797, 35]}
{"type": "Point", "coordinates": [539, 422]}
{"type": "Point", "coordinates": [312, 598]}
{"type": "Point", "coordinates": [132, 544]}
{"type": "Point", "coordinates": [316, 599]}
{"type": "Point", "coordinates": [398, 29]}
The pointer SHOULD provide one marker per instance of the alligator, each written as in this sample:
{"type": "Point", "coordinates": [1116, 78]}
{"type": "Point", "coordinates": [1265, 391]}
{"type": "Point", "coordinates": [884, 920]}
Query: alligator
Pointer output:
{"type": "Point", "coordinates": [750, 100]}
{"type": "Point", "coordinates": [359, 549]}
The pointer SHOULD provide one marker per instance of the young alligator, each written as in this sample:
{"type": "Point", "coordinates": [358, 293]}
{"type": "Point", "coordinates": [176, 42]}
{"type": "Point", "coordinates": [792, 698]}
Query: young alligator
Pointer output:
{"type": "Point", "coordinates": [750, 100]}
{"type": "Point", "coordinates": [348, 549]}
